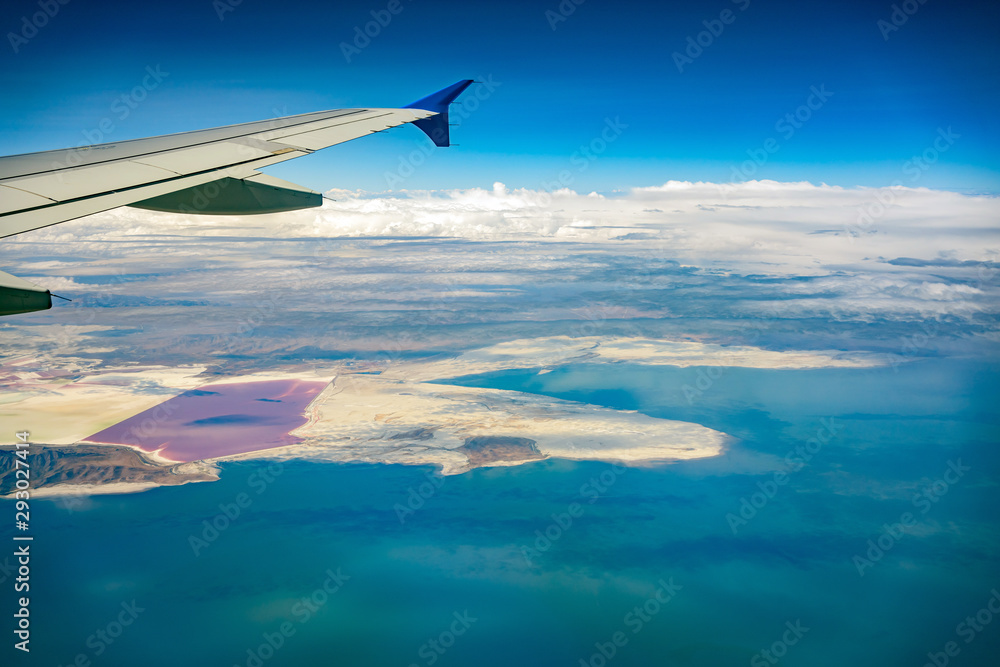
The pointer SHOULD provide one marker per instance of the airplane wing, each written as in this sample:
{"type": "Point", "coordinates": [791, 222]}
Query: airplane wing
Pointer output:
{"type": "Point", "coordinates": [211, 171]}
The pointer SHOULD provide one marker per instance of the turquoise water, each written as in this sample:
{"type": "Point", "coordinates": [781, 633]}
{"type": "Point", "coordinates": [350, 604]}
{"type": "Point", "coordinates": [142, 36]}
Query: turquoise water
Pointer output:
{"type": "Point", "coordinates": [466, 569]}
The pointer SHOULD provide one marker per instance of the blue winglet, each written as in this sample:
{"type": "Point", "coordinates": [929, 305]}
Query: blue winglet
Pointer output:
{"type": "Point", "coordinates": [436, 127]}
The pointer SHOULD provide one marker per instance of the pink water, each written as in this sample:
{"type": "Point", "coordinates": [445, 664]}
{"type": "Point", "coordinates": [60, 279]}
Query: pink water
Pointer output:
{"type": "Point", "coordinates": [218, 420]}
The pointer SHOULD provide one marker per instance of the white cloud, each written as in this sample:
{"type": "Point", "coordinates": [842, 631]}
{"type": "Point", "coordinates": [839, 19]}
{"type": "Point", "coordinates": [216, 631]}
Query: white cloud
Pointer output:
{"type": "Point", "coordinates": [778, 226]}
{"type": "Point", "coordinates": [841, 239]}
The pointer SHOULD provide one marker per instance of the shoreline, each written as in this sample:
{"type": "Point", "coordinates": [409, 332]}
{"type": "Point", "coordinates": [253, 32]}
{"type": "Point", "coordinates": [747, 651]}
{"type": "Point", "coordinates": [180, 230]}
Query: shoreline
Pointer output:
{"type": "Point", "coordinates": [62, 489]}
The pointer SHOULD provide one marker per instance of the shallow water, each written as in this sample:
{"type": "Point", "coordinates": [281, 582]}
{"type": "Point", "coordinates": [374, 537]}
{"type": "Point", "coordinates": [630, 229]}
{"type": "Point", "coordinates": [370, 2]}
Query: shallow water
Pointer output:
{"type": "Point", "coordinates": [551, 559]}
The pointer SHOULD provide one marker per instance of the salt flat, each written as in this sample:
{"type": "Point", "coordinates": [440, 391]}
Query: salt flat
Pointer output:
{"type": "Point", "coordinates": [63, 411]}
{"type": "Point", "coordinates": [556, 350]}
{"type": "Point", "coordinates": [375, 419]}
{"type": "Point", "coordinates": [392, 411]}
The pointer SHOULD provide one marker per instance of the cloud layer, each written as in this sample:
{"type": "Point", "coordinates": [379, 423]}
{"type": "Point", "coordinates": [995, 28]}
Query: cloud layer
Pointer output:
{"type": "Point", "coordinates": [784, 226]}
{"type": "Point", "coordinates": [775, 265]}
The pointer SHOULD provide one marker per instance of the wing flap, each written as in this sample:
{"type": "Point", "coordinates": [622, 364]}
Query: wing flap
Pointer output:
{"type": "Point", "coordinates": [232, 196]}
{"type": "Point", "coordinates": [12, 199]}
{"type": "Point", "coordinates": [53, 214]}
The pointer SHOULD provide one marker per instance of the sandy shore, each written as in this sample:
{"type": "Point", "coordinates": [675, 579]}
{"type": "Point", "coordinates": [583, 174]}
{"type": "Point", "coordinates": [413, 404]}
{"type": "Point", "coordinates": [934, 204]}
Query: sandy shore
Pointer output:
{"type": "Point", "coordinates": [554, 351]}
{"type": "Point", "coordinates": [400, 416]}
{"type": "Point", "coordinates": [375, 419]}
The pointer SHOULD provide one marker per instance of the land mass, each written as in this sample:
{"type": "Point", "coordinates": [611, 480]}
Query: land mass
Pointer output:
{"type": "Point", "coordinates": [91, 465]}
{"type": "Point", "coordinates": [361, 417]}
{"type": "Point", "coordinates": [485, 450]}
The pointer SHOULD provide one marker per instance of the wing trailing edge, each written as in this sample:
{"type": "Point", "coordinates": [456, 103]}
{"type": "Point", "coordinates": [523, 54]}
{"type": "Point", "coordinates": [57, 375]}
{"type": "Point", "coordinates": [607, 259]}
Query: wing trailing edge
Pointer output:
{"type": "Point", "coordinates": [259, 193]}
{"type": "Point", "coordinates": [212, 171]}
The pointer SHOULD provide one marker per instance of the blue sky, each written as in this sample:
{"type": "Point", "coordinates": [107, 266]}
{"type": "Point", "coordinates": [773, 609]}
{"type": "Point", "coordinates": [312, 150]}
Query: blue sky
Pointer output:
{"type": "Point", "coordinates": [891, 92]}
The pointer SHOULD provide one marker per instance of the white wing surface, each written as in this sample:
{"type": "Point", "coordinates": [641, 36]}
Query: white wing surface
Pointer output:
{"type": "Point", "coordinates": [212, 171]}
